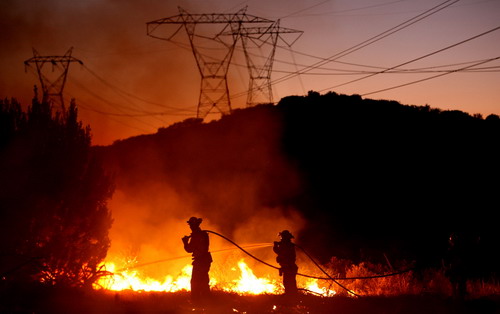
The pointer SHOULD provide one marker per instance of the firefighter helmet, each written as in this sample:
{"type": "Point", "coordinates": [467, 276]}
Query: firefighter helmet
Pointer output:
{"type": "Point", "coordinates": [285, 234]}
{"type": "Point", "coordinates": [194, 221]}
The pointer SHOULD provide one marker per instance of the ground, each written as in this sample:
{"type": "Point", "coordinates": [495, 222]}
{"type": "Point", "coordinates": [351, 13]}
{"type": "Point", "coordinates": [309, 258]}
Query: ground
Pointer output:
{"type": "Point", "coordinates": [59, 300]}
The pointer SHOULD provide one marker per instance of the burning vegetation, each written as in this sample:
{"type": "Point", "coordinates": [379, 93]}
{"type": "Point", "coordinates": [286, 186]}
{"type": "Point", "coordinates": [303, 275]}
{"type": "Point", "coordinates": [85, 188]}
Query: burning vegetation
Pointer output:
{"type": "Point", "coordinates": [112, 219]}
{"type": "Point", "coordinates": [54, 192]}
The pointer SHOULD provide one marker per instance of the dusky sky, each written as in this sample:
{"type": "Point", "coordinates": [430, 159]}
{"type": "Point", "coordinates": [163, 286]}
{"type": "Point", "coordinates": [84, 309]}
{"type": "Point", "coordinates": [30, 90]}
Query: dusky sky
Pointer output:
{"type": "Point", "coordinates": [132, 84]}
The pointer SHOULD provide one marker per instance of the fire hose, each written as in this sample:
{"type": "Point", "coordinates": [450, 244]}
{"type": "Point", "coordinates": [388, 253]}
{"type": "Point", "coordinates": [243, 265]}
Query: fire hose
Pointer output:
{"type": "Point", "coordinates": [315, 263]}
{"type": "Point", "coordinates": [329, 277]}
{"type": "Point", "coordinates": [275, 267]}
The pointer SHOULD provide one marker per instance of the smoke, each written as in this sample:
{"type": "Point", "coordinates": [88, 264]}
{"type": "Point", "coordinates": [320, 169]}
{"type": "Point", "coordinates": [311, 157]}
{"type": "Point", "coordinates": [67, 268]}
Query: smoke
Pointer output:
{"type": "Point", "coordinates": [110, 38]}
{"type": "Point", "coordinates": [147, 231]}
{"type": "Point", "coordinates": [231, 173]}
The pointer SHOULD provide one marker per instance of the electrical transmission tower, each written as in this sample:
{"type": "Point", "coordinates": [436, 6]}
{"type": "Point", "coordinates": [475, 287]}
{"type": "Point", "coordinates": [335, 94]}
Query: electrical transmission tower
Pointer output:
{"type": "Point", "coordinates": [52, 85]}
{"type": "Point", "coordinates": [213, 47]}
{"type": "Point", "coordinates": [262, 38]}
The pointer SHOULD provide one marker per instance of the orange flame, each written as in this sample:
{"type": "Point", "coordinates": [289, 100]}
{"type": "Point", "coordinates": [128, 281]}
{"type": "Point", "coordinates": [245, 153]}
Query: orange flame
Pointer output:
{"type": "Point", "coordinates": [131, 280]}
{"type": "Point", "coordinates": [312, 285]}
{"type": "Point", "coordinates": [246, 282]}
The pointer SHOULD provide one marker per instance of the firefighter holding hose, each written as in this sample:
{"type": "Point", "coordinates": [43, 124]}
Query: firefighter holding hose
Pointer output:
{"type": "Point", "coordinates": [197, 243]}
{"type": "Point", "coordinates": [285, 250]}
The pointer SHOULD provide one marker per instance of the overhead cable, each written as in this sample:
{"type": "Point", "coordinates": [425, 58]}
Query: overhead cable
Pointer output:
{"type": "Point", "coordinates": [430, 78]}
{"type": "Point", "coordinates": [425, 56]}
{"type": "Point", "coordinates": [371, 40]}
{"type": "Point", "coordinates": [132, 95]}
{"type": "Point", "coordinates": [365, 43]}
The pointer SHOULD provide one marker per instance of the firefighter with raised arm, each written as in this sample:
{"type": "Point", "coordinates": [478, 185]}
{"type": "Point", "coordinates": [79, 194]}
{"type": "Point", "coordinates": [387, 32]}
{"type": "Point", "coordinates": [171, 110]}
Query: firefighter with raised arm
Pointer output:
{"type": "Point", "coordinates": [285, 250]}
{"type": "Point", "coordinates": [198, 243]}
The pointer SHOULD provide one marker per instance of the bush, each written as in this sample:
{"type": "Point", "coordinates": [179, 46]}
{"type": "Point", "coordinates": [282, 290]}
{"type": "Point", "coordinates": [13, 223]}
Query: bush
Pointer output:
{"type": "Point", "coordinates": [53, 197]}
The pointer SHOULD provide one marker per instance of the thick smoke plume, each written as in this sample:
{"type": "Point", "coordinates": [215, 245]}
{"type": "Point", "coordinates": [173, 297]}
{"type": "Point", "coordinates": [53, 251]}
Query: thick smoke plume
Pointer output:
{"type": "Point", "coordinates": [229, 172]}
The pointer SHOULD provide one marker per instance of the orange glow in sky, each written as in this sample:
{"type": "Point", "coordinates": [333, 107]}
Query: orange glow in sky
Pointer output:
{"type": "Point", "coordinates": [133, 84]}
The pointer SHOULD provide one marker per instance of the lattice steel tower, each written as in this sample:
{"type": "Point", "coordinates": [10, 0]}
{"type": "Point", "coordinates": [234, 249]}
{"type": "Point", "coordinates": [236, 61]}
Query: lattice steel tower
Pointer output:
{"type": "Point", "coordinates": [264, 39]}
{"type": "Point", "coordinates": [52, 88]}
{"type": "Point", "coordinates": [212, 49]}
{"type": "Point", "coordinates": [222, 31]}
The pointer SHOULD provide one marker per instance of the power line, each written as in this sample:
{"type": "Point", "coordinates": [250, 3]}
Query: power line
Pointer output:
{"type": "Point", "coordinates": [117, 106]}
{"type": "Point", "coordinates": [413, 70]}
{"type": "Point", "coordinates": [140, 113]}
{"type": "Point", "coordinates": [118, 89]}
{"type": "Point", "coordinates": [318, 65]}
{"type": "Point", "coordinates": [367, 42]}
{"type": "Point", "coordinates": [419, 58]}
{"type": "Point", "coordinates": [54, 88]}
{"type": "Point", "coordinates": [429, 69]}
{"type": "Point", "coordinates": [372, 40]}
{"type": "Point", "coordinates": [84, 106]}
{"type": "Point", "coordinates": [339, 12]}
{"type": "Point", "coordinates": [305, 9]}
{"type": "Point", "coordinates": [347, 10]}
{"type": "Point", "coordinates": [431, 77]}
{"type": "Point", "coordinates": [133, 115]}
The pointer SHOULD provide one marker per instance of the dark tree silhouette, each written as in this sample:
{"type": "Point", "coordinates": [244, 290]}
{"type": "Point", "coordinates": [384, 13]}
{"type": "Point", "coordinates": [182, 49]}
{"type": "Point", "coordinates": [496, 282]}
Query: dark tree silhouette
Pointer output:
{"type": "Point", "coordinates": [53, 197]}
{"type": "Point", "coordinates": [390, 176]}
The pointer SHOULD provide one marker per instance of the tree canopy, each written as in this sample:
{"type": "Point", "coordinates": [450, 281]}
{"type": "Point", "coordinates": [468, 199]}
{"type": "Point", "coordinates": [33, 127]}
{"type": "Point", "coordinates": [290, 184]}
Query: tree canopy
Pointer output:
{"type": "Point", "coordinates": [53, 196]}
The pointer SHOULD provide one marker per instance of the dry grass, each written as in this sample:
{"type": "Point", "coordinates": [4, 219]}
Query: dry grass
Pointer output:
{"type": "Point", "coordinates": [426, 292]}
{"type": "Point", "coordinates": [429, 281]}
{"type": "Point", "coordinates": [57, 300]}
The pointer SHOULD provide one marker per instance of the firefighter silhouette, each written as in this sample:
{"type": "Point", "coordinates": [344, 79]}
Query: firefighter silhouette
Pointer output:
{"type": "Point", "coordinates": [198, 243]}
{"type": "Point", "coordinates": [285, 250]}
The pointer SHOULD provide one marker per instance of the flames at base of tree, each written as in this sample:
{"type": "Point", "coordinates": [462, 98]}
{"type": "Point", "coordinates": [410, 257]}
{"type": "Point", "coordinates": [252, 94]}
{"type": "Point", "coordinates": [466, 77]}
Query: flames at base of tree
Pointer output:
{"type": "Point", "coordinates": [243, 281]}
